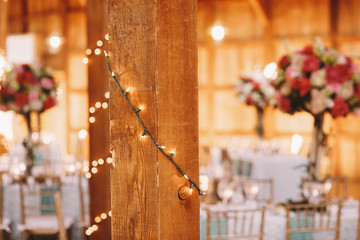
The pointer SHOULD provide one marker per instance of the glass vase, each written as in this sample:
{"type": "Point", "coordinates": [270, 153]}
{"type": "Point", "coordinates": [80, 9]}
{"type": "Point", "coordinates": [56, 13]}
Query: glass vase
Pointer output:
{"type": "Point", "coordinates": [316, 149]}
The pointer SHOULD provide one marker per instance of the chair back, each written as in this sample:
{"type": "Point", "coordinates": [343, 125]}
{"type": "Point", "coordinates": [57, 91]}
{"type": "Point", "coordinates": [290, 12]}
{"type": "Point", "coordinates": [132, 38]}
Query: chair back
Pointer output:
{"type": "Point", "coordinates": [302, 219]}
{"type": "Point", "coordinates": [245, 223]}
{"type": "Point", "coordinates": [60, 217]}
{"type": "Point", "coordinates": [37, 196]}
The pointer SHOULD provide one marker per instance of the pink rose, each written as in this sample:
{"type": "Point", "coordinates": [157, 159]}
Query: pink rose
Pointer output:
{"type": "Point", "coordinates": [33, 96]}
{"type": "Point", "coordinates": [351, 65]}
{"type": "Point", "coordinates": [47, 83]}
{"type": "Point", "coordinates": [311, 63]}
{"type": "Point", "coordinates": [291, 72]}
{"type": "Point", "coordinates": [3, 108]}
{"type": "Point", "coordinates": [49, 103]}
{"type": "Point", "coordinates": [340, 108]}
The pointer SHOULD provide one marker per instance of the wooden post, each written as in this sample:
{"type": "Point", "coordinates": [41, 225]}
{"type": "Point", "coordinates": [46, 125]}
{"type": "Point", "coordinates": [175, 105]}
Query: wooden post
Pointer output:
{"type": "Point", "coordinates": [153, 50]}
{"type": "Point", "coordinates": [97, 15]}
{"type": "Point", "coordinates": [3, 23]}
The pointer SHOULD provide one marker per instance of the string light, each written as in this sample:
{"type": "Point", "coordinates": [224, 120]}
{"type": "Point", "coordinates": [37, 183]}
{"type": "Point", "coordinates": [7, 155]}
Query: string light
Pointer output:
{"type": "Point", "coordinates": [92, 110]}
{"type": "Point", "coordinates": [105, 105]}
{"type": "Point", "coordinates": [94, 170]}
{"type": "Point", "coordinates": [107, 95]}
{"type": "Point", "coordinates": [101, 161]}
{"type": "Point", "coordinates": [169, 156]}
{"type": "Point", "coordinates": [107, 37]}
{"type": "Point", "coordinates": [98, 220]}
{"type": "Point", "coordinates": [98, 104]}
{"type": "Point", "coordinates": [99, 43]}
{"type": "Point", "coordinates": [85, 60]}
{"type": "Point", "coordinates": [91, 119]}
{"type": "Point", "coordinates": [88, 51]}
{"type": "Point", "coordinates": [94, 163]}
{"type": "Point", "coordinates": [97, 51]}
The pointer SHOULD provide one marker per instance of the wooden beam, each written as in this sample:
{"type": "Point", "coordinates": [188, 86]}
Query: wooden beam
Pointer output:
{"type": "Point", "coordinates": [153, 50]}
{"type": "Point", "coordinates": [3, 23]}
{"type": "Point", "coordinates": [259, 11]}
{"type": "Point", "coordinates": [97, 20]}
{"type": "Point", "coordinates": [333, 22]}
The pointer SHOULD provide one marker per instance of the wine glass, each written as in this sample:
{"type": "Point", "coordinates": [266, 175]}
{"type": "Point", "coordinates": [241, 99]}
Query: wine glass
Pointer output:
{"type": "Point", "coordinates": [225, 190]}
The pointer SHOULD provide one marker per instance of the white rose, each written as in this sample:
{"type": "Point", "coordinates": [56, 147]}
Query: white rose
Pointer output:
{"type": "Point", "coordinates": [248, 88]}
{"type": "Point", "coordinates": [346, 91]}
{"type": "Point", "coordinates": [36, 106]}
{"type": "Point", "coordinates": [297, 61]}
{"type": "Point", "coordinates": [318, 78]}
{"type": "Point", "coordinates": [285, 89]}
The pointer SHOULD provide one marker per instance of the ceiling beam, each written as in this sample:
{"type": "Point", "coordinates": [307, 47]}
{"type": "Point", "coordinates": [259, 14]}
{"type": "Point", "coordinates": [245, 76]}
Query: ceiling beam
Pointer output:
{"type": "Point", "coordinates": [259, 12]}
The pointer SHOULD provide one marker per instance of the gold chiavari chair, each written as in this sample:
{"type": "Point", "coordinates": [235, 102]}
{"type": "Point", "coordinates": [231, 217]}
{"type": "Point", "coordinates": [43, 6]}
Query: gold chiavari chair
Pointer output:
{"type": "Point", "coordinates": [4, 222]}
{"type": "Point", "coordinates": [38, 210]}
{"type": "Point", "coordinates": [60, 217]}
{"type": "Point", "coordinates": [303, 219]}
{"type": "Point", "coordinates": [231, 224]}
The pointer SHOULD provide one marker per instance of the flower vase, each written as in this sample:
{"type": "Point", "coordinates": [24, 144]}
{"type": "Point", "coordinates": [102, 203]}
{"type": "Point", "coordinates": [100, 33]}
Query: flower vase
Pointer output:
{"type": "Point", "coordinates": [29, 143]}
{"type": "Point", "coordinates": [260, 125]}
{"type": "Point", "coordinates": [316, 149]}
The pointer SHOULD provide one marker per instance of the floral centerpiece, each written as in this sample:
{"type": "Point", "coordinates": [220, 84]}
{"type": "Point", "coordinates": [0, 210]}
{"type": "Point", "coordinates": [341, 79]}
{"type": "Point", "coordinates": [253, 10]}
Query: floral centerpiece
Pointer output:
{"type": "Point", "coordinates": [25, 90]}
{"type": "Point", "coordinates": [317, 79]}
{"type": "Point", "coordinates": [254, 89]}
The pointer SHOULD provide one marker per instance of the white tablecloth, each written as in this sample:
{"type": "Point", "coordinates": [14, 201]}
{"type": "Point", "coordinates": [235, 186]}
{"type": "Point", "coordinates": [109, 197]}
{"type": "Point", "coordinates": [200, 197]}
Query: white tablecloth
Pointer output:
{"type": "Point", "coordinates": [285, 170]}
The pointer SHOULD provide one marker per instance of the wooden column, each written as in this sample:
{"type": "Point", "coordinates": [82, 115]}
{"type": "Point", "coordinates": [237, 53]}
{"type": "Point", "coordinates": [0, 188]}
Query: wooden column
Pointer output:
{"type": "Point", "coordinates": [97, 15]}
{"type": "Point", "coordinates": [3, 23]}
{"type": "Point", "coordinates": [153, 50]}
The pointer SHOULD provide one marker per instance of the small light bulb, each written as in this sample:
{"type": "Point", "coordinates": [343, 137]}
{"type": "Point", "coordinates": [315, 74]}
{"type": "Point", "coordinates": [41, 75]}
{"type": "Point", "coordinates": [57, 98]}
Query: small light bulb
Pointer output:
{"type": "Point", "coordinates": [97, 51]}
{"type": "Point", "coordinates": [109, 160]}
{"type": "Point", "coordinates": [113, 74]}
{"type": "Point", "coordinates": [107, 95]}
{"type": "Point", "coordinates": [94, 163]}
{"type": "Point", "coordinates": [88, 51]}
{"type": "Point", "coordinates": [106, 54]}
{"type": "Point", "coordinates": [85, 60]}
{"type": "Point", "coordinates": [97, 219]}
{"type": "Point", "coordinates": [92, 110]}
{"type": "Point", "coordinates": [91, 119]}
{"type": "Point", "coordinates": [98, 104]}
{"type": "Point", "coordinates": [105, 105]}
{"type": "Point", "coordinates": [94, 170]}
{"type": "Point", "coordinates": [95, 227]}
{"type": "Point", "coordinates": [109, 213]}
{"type": "Point", "coordinates": [103, 216]}
{"type": "Point", "coordinates": [218, 33]}
{"type": "Point", "coordinates": [99, 43]}
{"type": "Point", "coordinates": [142, 107]}
{"type": "Point", "coordinates": [88, 175]}
{"type": "Point", "coordinates": [190, 191]}
{"type": "Point", "coordinates": [185, 176]}
{"type": "Point", "coordinates": [163, 147]}
{"type": "Point", "coordinates": [88, 232]}
{"type": "Point", "coordinates": [101, 161]}
{"type": "Point", "coordinates": [55, 41]}
{"type": "Point", "coordinates": [128, 89]}
{"type": "Point", "coordinates": [107, 36]}
{"type": "Point", "coordinates": [82, 134]}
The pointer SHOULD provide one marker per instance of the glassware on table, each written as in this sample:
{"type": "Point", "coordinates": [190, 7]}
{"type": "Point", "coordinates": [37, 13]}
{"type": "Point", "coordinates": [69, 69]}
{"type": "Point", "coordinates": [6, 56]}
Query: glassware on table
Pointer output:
{"type": "Point", "coordinates": [225, 190]}
{"type": "Point", "coordinates": [251, 189]}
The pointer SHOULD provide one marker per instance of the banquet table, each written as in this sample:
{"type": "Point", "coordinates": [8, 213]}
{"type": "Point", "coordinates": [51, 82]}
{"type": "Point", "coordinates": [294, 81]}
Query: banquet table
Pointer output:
{"type": "Point", "coordinates": [70, 199]}
{"type": "Point", "coordinates": [285, 170]}
{"type": "Point", "coordinates": [275, 224]}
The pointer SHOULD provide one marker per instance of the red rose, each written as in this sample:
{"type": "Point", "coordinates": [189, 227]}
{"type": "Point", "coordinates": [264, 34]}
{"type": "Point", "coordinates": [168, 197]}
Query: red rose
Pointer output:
{"type": "Point", "coordinates": [337, 73]}
{"type": "Point", "coordinates": [305, 86]}
{"type": "Point", "coordinates": [311, 63]}
{"type": "Point", "coordinates": [248, 100]}
{"type": "Point", "coordinates": [295, 83]}
{"type": "Point", "coordinates": [285, 104]}
{"type": "Point", "coordinates": [256, 86]}
{"type": "Point", "coordinates": [284, 61]}
{"type": "Point", "coordinates": [49, 103]}
{"type": "Point", "coordinates": [20, 99]}
{"type": "Point", "coordinates": [357, 92]}
{"type": "Point", "coordinates": [7, 91]}
{"type": "Point", "coordinates": [24, 77]}
{"type": "Point", "coordinates": [340, 108]}
{"type": "Point", "coordinates": [307, 50]}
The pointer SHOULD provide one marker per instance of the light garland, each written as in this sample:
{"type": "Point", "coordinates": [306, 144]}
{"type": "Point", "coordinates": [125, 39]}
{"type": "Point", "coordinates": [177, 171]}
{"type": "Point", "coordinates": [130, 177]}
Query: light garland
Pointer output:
{"type": "Point", "coordinates": [98, 219]}
{"type": "Point", "coordinates": [147, 133]}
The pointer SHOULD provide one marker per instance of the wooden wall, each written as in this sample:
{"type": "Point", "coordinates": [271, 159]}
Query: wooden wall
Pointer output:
{"type": "Point", "coordinates": [68, 20]}
{"type": "Point", "coordinates": [249, 43]}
